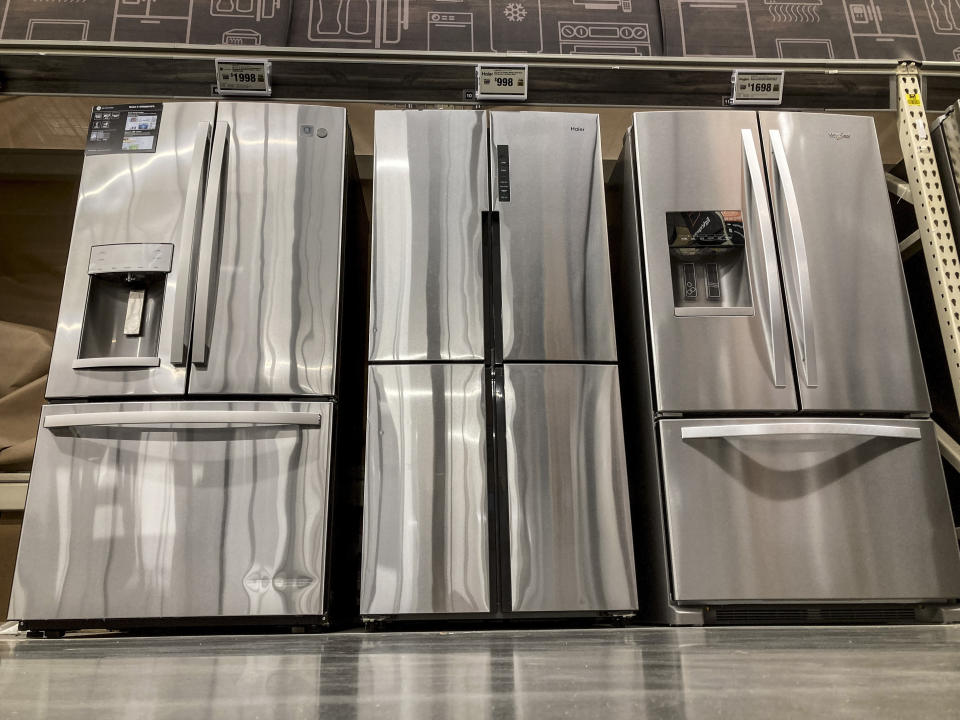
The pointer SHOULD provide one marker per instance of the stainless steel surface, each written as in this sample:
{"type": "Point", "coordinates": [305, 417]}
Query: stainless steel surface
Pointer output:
{"type": "Point", "coordinates": [210, 244]}
{"type": "Point", "coordinates": [126, 522]}
{"type": "Point", "coordinates": [425, 491]}
{"type": "Point", "coordinates": [554, 259]}
{"type": "Point", "coordinates": [193, 214]}
{"type": "Point", "coordinates": [875, 673]}
{"type": "Point", "coordinates": [181, 417]}
{"type": "Point", "coordinates": [430, 187]}
{"type": "Point", "coordinates": [273, 328]}
{"type": "Point", "coordinates": [571, 542]}
{"type": "Point", "coordinates": [778, 430]}
{"type": "Point", "coordinates": [866, 347]}
{"type": "Point", "coordinates": [795, 265]}
{"type": "Point", "coordinates": [694, 161]}
{"type": "Point", "coordinates": [757, 219]}
{"type": "Point", "coordinates": [811, 517]}
{"type": "Point", "coordinates": [127, 198]}
{"type": "Point", "coordinates": [116, 362]}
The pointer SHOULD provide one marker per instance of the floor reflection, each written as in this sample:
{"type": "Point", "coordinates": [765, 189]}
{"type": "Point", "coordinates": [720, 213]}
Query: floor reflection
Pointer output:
{"type": "Point", "coordinates": [523, 675]}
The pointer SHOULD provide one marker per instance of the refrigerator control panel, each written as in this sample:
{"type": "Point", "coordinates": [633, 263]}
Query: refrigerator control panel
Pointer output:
{"type": "Point", "coordinates": [709, 263]}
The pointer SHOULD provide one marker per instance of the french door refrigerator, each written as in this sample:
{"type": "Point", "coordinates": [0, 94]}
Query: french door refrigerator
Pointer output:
{"type": "Point", "coordinates": [495, 479]}
{"type": "Point", "coordinates": [783, 464]}
{"type": "Point", "coordinates": [184, 466]}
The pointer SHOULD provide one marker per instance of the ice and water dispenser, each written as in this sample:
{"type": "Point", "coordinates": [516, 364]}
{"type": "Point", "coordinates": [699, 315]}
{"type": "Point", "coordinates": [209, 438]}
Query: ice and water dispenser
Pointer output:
{"type": "Point", "coordinates": [121, 323]}
{"type": "Point", "coordinates": [708, 263]}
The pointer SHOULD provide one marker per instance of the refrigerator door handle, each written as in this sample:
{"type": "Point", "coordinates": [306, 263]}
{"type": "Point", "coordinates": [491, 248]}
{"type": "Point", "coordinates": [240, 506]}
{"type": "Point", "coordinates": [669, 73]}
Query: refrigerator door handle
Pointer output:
{"type": "Point", "coordinates": [772, 430]}
{"type": "Point", "coordinates": [186, 280]}
{"type": "Point", "coordinates": [782, 185]}
{"type": "Point", "coordinates": [181, 417]}
{"type": "Point", "coordinates": [755, 203]}
{"type": "Point", "coordinates": [209, 244]}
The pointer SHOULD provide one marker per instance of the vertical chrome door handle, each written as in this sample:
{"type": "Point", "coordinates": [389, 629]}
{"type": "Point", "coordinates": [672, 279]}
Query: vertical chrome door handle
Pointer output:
{"type": "Point", "coordinates": [209, 246]}
{"type": "Point", "coordinates": [756, 213]}
{"type": "Point", "coordinates": [782, 185]}
{"type": "Point", "coordinates": [187, 248]}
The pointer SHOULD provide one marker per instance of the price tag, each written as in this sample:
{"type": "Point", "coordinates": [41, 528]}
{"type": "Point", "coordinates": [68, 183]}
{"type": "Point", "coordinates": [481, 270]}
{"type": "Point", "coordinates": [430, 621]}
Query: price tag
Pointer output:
{"type": "Point", "coordinates": [757, 87]}
{"type": "Point", "coordinates": [501, 82]}
{"type": "Point", "coordinates": [243, 77]}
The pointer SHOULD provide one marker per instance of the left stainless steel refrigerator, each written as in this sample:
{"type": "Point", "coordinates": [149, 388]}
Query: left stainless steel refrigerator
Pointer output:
{"type": "Point", "coordinates": [185, 467]}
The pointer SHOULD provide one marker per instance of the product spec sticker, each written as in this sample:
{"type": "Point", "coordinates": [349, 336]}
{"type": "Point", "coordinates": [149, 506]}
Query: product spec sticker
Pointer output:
{"type": "Point", "coordinates": [757, 87]}
{"type": "Point", "coordinates": [243, 77]}
{"type": "Point", "coordinates": [501, 82]}
{"type": "Point", "coordinates": [124, 129]}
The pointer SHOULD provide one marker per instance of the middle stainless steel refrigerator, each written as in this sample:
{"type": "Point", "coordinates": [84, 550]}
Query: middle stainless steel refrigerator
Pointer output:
{"type": "Point", "coordinates": [495, 477]}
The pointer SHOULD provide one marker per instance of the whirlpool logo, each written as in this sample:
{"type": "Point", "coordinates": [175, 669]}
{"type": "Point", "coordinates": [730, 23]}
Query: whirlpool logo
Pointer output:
{"type": "Point", "coordinates": [839, 135]}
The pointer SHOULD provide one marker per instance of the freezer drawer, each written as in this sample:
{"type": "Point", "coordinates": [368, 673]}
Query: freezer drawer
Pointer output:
{"type": "Point", "coordinates": [571, 543]}
{"type": "Point", "coordinates": [425, 541]}
{"type": "Point", "coordinates": [268, 286]}
{"type": "Point", "coordinates": [547, 181]}
{"type": "Point", "coordinates": [176, 509]}
{"type": "Point", "coordinates": [429, 193]}
{"type": "Point", "coordinates": [807, 510]}
{"type": "Point", "coordinates": [853, 333]}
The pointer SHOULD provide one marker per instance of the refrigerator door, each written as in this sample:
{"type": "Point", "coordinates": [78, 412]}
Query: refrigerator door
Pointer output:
{"type": "Point", "coordinates": [429, 193]}
{"type": "Point", "coordinates": [425, 538]}
{"type": "Point", "coordinates": [547, 185]}
{"type": "Point", "coordinates": [812, 510]}
{"type": "Point", "coordinates": [176, 509]}
{"type": "Point", "coordinates": [268, 292]}
{"type": "Point", "coordinates": [125, 312]}
{"type": "Point", "coordinates": [717, 328]}
{"type": "Point", "coordinates": [853, 336]}
{"type": "Point", "coordinates": [571, 542]}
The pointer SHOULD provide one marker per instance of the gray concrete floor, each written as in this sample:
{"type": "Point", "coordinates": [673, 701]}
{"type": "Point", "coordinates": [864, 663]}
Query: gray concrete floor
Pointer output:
{"type": "Point", "coordinates": [864, 672]}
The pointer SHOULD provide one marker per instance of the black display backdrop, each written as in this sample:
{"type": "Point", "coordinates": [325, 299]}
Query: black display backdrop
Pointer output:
{"type": "Point", "coordinates": [864, 29]}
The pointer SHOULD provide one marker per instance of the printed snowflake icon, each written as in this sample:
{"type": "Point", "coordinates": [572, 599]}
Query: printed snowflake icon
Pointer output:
{"type": "Point", "coordinates": [515, 12]}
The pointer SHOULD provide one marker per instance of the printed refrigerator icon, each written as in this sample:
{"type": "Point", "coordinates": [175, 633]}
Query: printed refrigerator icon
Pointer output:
{"type": "Point", "coordinates": [784, 465]}
{"type": "Point", "coordinates": [495, 470]}
{"type": "Point", "coordinates": [185, 468]}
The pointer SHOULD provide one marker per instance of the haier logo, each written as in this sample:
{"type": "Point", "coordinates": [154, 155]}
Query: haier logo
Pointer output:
{"type": "Point", "coordinates": [574, 128]}
{"type": "Point", "coordinates": [839, 135]}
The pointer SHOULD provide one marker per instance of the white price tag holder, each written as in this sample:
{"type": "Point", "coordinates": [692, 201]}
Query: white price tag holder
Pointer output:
{"type": "Point", "coordinates": [757, 87]}
{"type": "Point", "coordinates": [243, 77]}
{"type": "Point", "coordinates": [501, 82]}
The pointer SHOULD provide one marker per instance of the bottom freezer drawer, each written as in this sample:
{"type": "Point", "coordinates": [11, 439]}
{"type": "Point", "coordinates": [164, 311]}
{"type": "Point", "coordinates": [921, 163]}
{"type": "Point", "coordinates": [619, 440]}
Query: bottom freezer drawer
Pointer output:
{"type": "Point", "coordinates": [807, 510]}
{"type": "Point", "coordinates": [176, 509]}
{"type": "Point", "coordinates": [425, 535]}
{"type": "Point", "coordinates": [571, 547]}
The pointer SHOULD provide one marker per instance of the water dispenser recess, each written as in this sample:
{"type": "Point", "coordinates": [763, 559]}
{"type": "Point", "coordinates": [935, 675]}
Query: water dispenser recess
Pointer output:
{"type": "Point", "coordinates": [708, 263]}
{"type": "Point", "coordinates": [121, 321]}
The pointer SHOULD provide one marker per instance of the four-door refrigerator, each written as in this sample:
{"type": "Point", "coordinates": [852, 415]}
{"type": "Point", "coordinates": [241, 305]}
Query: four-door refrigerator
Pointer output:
{"type": "Point", "coordinates": [184, 466]}
{"type": "Point", "coordinates": [495, 479]}
{"type": "Point", "coordinates": [783, 463]}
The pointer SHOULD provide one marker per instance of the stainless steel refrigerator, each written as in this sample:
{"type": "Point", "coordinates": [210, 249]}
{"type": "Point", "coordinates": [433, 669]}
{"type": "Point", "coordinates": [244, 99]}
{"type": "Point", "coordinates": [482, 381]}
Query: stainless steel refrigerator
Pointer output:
{"type": "Point", "coordinates": [184, 466]}
{"type": "Point", "coordinates": [495, 477]}
{"type": "Point", "coordinates": [783, 464]}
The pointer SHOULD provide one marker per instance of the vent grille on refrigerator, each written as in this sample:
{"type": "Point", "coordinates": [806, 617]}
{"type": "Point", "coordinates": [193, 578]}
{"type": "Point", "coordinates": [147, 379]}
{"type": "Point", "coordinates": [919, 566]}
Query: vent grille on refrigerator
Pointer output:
{"type": "Point", "coordinates": [810, 615]}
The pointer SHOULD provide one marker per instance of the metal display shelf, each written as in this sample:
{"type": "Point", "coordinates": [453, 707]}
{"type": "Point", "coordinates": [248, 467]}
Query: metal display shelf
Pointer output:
{"type": "Point", "coordinates": [154, 70]}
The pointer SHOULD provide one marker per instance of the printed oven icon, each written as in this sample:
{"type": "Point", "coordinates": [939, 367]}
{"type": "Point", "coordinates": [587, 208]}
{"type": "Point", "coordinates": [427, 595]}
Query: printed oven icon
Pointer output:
{"type": "Point", "coordinates": [604, 38]}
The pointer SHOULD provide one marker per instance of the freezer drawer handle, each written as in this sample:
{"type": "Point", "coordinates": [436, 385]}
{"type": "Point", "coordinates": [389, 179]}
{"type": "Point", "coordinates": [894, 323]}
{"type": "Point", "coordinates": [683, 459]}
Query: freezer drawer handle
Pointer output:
{"type": "Point", "coordinates": [808, 428]}
{"type": "Point", "coordinates": [209, 247]}
{"type": "Point", "coordinates": [186, 279]}
{"type": "Point", "coordinates": [184, 417]}
{"type": "Point", "coordinates": [755, 203]}
{"type": "Point", "coordinates": [115, 362]}
{"type": "Point", "coordinates": [783, 185]}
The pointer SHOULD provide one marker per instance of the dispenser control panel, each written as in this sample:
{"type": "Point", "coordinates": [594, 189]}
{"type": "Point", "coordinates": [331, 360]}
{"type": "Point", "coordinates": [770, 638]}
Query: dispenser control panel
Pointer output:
{"type": "Point", "coordinates": [131, 258]}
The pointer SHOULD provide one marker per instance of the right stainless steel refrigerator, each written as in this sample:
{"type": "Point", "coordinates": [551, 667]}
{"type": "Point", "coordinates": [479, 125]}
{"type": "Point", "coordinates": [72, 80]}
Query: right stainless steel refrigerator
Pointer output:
{"type": "Point", "coordinates": [495, 467]}
{"type": "Point", "coordinates": [783, 464]}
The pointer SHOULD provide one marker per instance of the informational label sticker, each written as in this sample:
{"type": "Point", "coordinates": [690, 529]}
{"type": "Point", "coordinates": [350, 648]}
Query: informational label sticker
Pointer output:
{"type": "Point", "coordinates": [914, 99]}
{"type": "Point", "coordinates": [124, 129]}
{"type": "Point", "coordinates": [243, 77]}
{"type": "Point", "coordinates": [757, 87]}
{"type": "Point", "coordinates": [501, 82]}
